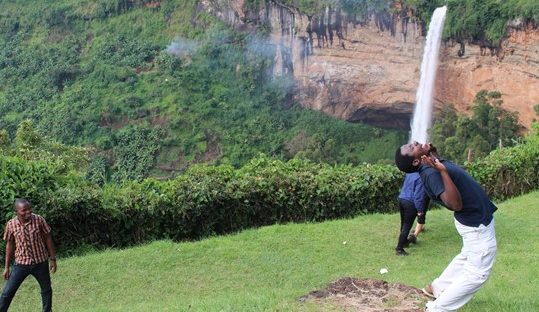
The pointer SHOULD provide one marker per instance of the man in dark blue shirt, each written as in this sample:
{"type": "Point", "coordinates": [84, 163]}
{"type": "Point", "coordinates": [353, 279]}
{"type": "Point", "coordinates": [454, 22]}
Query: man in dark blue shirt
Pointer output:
{"type": "Point", "coordinates": [412, 201]}
{"type": "Point", "coordinates": [455, 189]}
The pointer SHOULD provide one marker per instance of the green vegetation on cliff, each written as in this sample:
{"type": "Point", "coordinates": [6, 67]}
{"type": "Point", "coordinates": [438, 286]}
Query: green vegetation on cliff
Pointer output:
{"type": "Point", "coordinates": [484, 22]}
{"type": "Point", "coordinates": [155, 90]}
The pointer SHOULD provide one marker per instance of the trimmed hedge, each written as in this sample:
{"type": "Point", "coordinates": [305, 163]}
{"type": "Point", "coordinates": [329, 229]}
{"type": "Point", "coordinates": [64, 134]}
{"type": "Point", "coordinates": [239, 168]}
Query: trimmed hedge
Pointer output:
{"type": "Point", "coordinates": [206, 200]}
{"type": "Point", "coordinates": [212, 200]}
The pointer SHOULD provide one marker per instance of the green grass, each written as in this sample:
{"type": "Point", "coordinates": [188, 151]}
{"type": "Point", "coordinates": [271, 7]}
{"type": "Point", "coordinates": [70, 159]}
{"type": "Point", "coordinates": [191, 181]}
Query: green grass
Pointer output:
{"type": "Point", "coordinates": [267, 269]}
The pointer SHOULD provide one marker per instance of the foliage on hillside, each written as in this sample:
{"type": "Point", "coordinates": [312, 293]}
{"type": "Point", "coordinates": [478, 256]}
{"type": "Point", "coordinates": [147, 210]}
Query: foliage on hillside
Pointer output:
{"type": "Point", "coordinates": [30, 145]}
{"type": "Point", "coordinates": [156, 90]}
{"type": "Point", "coordinates": [185, 87]}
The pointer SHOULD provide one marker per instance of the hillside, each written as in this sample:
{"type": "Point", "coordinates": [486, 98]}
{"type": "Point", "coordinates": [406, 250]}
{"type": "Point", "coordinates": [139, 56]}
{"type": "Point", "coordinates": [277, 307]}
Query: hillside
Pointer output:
{"type": "Point", "coordinates": [268, 269]}
{"type": "Point", "coordinates": [154, 89]}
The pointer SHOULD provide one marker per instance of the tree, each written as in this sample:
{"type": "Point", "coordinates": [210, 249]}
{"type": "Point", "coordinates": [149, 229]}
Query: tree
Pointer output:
{"type": "Point", "coordinates": [463, 138]}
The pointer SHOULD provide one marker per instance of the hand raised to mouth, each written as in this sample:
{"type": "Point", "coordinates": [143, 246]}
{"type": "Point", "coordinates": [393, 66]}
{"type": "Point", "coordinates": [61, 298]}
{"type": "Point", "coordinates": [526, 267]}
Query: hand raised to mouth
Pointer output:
{"type": "Point", "coordinates": [434, 162]}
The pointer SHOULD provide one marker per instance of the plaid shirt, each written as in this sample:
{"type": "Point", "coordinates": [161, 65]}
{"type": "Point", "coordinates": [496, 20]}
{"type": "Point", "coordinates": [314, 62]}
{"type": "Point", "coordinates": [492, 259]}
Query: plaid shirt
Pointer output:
{"type": "Point", "coordinates": [29, 239]}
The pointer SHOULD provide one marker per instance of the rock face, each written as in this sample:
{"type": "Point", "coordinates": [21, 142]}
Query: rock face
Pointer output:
{"type": "Point", "coordinates": [369, 71]}
{"type": "Point", "coordinates": [372, 79]}
{"type": "Point", "coordinates": [514, 72]}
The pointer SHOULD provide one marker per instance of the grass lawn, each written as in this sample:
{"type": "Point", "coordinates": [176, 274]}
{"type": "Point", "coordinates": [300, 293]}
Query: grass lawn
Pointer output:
{"type": "Point", "coordinates": [267, 269]}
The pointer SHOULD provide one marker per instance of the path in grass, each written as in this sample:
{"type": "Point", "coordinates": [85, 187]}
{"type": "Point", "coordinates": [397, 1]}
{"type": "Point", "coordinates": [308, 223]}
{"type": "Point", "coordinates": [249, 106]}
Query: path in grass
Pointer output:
{"type": "Point", "coordinates": [268, 269]}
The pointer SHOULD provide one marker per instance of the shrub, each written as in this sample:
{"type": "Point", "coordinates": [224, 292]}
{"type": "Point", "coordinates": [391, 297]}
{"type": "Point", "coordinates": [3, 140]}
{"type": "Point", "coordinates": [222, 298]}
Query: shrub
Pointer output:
{"type": "Point", "coordinates": [511, 171]}
{"type": "Point", "coordinates": [205, 200]}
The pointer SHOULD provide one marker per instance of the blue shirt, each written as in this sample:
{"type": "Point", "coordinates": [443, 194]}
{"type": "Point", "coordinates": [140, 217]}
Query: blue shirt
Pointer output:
{"type": "Point", "coordinates": [477, 208]}
{"type": "Point", "coordinates": [413, 191]}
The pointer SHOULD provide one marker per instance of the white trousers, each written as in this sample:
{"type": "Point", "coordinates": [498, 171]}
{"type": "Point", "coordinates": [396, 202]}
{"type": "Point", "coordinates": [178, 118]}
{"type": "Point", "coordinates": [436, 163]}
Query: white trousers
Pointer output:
{"type": "Point", "coordinates": [468, 271]}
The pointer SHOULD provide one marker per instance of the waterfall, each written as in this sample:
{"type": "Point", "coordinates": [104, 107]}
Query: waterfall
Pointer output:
{"type": "Point", "coordinates": [422, 118]}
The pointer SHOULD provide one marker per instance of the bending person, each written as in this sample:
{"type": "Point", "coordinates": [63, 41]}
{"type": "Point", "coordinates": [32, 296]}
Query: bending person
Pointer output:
{"type": "Point", "coordinates": [455, 189]}
{"type": "Point", "coordinates": [412, 201]}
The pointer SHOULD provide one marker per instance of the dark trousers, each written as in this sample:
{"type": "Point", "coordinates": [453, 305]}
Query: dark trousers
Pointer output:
{"type": "Point", "coordinates": [408, 214]}
{"type": "Point", "coordinates": [18, 274]}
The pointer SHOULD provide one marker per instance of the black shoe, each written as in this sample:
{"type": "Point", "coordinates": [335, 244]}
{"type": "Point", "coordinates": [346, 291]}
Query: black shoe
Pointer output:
{"type": "Point", "coordinates": [401, 252]}
{"type": "Point", "coordinates": [412, 239]}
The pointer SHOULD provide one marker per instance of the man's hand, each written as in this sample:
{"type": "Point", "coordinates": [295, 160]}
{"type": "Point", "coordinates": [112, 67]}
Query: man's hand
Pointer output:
{"type": "Point", "coordinates": [6, 273]}
{"type": "Point", "coordinates": [434, 163]}
{"type": "Point", "coordinates": [53, 266]}
{"type": "Point", "coordinates": [451, 195]}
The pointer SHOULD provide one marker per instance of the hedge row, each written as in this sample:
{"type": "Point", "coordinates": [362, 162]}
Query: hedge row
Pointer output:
{"type": "Point", "coordinates": [210, 200]}
{"type": "Point", "coordinates": [206, 200]}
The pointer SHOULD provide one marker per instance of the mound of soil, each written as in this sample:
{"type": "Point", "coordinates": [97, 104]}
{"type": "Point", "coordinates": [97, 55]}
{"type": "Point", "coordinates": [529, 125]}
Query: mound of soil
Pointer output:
{"type": "Point", "coordinates": [369, 295]}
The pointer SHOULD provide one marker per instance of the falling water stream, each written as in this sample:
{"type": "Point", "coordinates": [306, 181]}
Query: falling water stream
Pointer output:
{"type": "Point", "coordinates": [422, 118]}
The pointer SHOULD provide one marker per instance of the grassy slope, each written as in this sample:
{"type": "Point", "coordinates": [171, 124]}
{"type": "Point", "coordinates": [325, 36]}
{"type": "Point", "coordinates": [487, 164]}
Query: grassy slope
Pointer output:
{"type": "Point", "coordinates": [269, 268]}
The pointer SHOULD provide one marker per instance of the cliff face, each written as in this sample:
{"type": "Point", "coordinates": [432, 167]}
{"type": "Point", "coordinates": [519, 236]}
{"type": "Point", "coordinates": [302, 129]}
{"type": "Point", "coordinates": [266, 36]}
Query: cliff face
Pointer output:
{"type": "Point", "coordinates": [370, 71]}
{"type": "Point", "coordinates": [514, 72]}
{"type": "Point", "coordinates": [372, 79]}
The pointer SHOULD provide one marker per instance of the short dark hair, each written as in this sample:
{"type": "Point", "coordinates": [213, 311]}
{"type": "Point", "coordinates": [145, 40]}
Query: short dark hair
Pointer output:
{"type": "Point", "coordinates": [21, 201]}
{"type": "Point", "coordinates": [405, 162]}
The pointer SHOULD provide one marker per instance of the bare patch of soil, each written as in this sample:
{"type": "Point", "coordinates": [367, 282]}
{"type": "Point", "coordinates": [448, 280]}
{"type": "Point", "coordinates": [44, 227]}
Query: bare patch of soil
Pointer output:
{"type": "Point", "coordinates": [369, 295]}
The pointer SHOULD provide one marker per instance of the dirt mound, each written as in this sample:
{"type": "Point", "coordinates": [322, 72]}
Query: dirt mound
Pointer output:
{"type": "Point", "coordinates": [369, 295]}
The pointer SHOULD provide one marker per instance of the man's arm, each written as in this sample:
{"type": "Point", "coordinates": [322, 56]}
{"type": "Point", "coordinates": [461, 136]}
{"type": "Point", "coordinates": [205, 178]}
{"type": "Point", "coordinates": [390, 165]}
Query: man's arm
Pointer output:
{"type": "Point", "coordinates": [451, 195]}
{"type": "Point", "coordinates": [419, 196]}
{"type": "Point", "coordinates": [10, 249]}
{"type": "Point", "coordinates": [52, 252]}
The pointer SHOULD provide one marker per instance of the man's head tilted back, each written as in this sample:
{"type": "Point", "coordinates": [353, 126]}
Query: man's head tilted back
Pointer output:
{"type": "Point", "coordinates": [404, 162]}
{"type": "Point", "coordinates": [408, 156]}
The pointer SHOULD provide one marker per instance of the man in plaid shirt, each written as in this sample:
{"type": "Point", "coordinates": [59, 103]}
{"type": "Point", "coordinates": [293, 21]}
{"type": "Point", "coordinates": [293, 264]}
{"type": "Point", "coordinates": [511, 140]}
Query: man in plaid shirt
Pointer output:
{"type": "Point", "coordinates": [28, 237]}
